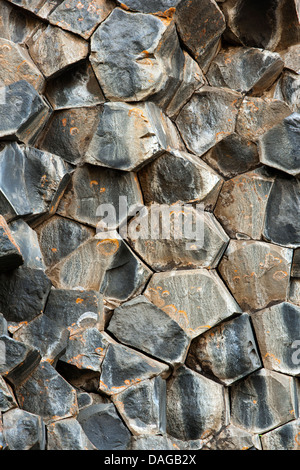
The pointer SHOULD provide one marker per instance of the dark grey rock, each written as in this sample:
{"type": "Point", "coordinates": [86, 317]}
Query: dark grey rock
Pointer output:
{"type": "Point", "coordinates": [179, 176]}
{"type": "Point", "coordinates": [104, 428]}
{"type": "Point", "coordinates": [263, 401]}
{"type": "Point", "coordinates": [277, 332]}
{"type": "Point", "coordinates": [166, 239]}
{"type": "Point", "coordinates": [35, 187]}
{"type": "Point", "coordinates": [10, 253]}
{"type": "Point", "coordinates": [282, 212]}
{"type": "Point", "coordinates": [24, 292]}
{"type": "Point", "coordinates": [77, 87]}
{"type": "Point", "coordinates": [47, 394]}
{"type": "Point", "coordinates": [196, 299]}
{"type": "Point", "coordinates": [23, 112]}
{"type": "Point", "coordinates": [27, 240]}
{"type": "Point", "coordinates": [230, 438]}
{"type": "Point", "coordinates": [124, 367]}
{"type": "Point", "coordinates": [232, 156]}
{"type": "Point", "coordinates": [294, 294]}
{"type": "Point", "coordinates": [148, 442]}
{"type": "Point", "coordinates": [74, 309]}
{"type": "Point", "coordinates": [53, 50]}
{"type": "Point", "coordinates": [284, 437]}
{"type": "Point", "coordinates": [296, 264]}
{"type": "Point", "coordinates": [210, 108]}
{"type": "Point", "coordinates": [7, 399]}
{"type": "Point", "coordinates": [53, 233]}
{"type": "Point", "coordinates": [288, 90]}
{"type": "Point", "coordinates": [290, 57]}
{"type": "Point", "coordinates": [162, 8]}
{"type": "Point", "coordinates": [241, 206]}
{"type": "Point", "coordinates": [227, 352]}
{"type": "Point", "coordinates": [129, 136]}
{"type": "Point", "coordinates": [67, 434]}
{"type": "Point", "coordinates": [3, 325]}
{"type": "Point", "coordinates": [143, 406]}
{"type": "Point", "coordinates": [256, 273]}
{"type": "Point", "coordinates": [135, 56]}
{"type": "Point", "coordinates": [80, 18]}
{"type": "Point", "coordinates": [45, 335]}
{"type": "Point", "coordinates": [84, 399]}
{"type": "Point", "coordinates": [3, 443]}
{"type": "Point", "coordinates": [140, 324]}
{"type": "Point", "coordinates": [23, 430]}
{"type": "Point", "coordinates": [17, 360]}
{"type": "Point", "coordinates": [92, 188]}
{"type": "Point", "coordinates": [279, 147]}
{"type": "Point", "coordinates": [245, 70]}
{"type": "Point", "coordinates": [196, 406]}
{"type": "Point", "coordinates": [16, 25]}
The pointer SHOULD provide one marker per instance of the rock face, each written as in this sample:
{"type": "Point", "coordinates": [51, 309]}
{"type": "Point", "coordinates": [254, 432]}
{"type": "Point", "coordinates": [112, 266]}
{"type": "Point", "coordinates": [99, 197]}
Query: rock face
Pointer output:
{"type": "Point", "coordinates": [149, 226]}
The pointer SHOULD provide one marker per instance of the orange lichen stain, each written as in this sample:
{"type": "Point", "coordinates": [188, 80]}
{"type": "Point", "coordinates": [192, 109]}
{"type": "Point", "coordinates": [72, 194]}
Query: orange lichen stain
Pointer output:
{"type": "Point", "coordinates": [167, 14]}
{"type": "Point", "coordinates": [254, 401]}
{"type": "Point", "coordinates": [64, 122]}
{"type": "Point", "coordinates": [297, 438]}
{"type": "Point", "coordinates": [79, 300]}
{"type": "Point", "coordinates": [74, 130]}
{"type": "Point", "coordinates": [273, 356]}
{"type": "Point", "coordinates": [279, 275]}
{"type": "Point", "coordinates": [93, 182]}
{"type": "Point", "coordinates": [99, 350]}
{"type": "Point", "coordinates": [292, 412]}
{"type": "Point", "coordinates": [125, 7]}
{"type": "Point", "coordinates": [79, 6]}
{"type": "Point", "coordinates": [176, 447]}
{"type": "Point", "coordinates": [102, 190]}
{"type": "Point", "coordinates": [54, 250]}
{"type": "Point", "coordinates": [108, 246]}
{"type": "Point", "coordinates": [245, 448]}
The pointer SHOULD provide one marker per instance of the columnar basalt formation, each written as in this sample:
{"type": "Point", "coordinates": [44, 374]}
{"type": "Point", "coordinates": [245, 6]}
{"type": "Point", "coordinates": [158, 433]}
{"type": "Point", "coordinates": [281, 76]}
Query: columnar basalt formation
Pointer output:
{"type": "Point", "coordinates": [149, 225]}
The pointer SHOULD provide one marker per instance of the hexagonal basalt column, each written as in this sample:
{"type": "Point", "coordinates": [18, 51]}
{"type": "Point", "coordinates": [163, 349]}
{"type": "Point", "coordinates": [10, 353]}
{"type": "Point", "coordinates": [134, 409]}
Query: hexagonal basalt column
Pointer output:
{"type": "Point", "coordinates": [257, 273]}
{"type": "Point", "coordinates": [210, 108]}
{"type": "Point", "coordinates": [277, 330]}
{"type": "Point", "coordinates": [196, 299]}
{"type": "Point", "coordinates": [196, 406]}
{"type": "Point", "coordinates": [177, 236]}
{"type": "Point", "coordinates": [23, 430]}
{"type": "Point", "coordinates": [136, 55]}
{"type": "Point", "coordinates": [67, 434]}
{"type": "Point", "coordinates": [279, 147]}
{"type": "Point", "coordinates": [263, 401]}
{"type": "Point", "coordinates": [286, 437]}
{"type": "Point", "coordinates": [10, 254]}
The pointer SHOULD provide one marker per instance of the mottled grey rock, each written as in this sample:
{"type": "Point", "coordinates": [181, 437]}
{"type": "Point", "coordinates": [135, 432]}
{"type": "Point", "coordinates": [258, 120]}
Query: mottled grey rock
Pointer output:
{"type": "Point", "coordinates": [23, 430]}
{"type": "Point", "coordinates": [282, 212]}
{"type": "Point", "coordinates": [53, 49]}
{"type": "Point", "coordinates": [294, 294]}
{"type": "Point", "coordinates": [230, 438]}
{"type": "Point", "coordinates": [3, 325]}
{"type": "Point", "coordinates": [124, 367]}
{"type": "Point", "coordinates": [104, 428]}
{"type": "Point", "coordinates": [296, 264]}
{"type": "Point", "coordinates": [104, 263]}
{"type": "Point", "coordinates": [67, 434]}
{"type": "Point", "coordinates": [69, 132]}
{"type": "Point", "coordinates": [245, 70]}
{"type": "Point", "coordinates": [277, 332]}
{"type": "Point", "coordinates": [92, 188]}
{"type": "Point", "coordinates": [24, 292]}
{"type": "Point", "coordinates": [27, 240]}
{"type": "Point", "coordinates": [192, 80]}
{"type": "Point", "coordinates": [179, 176]}
{"type": "Point", "coordinates": [17, 360]}
{"type": "Point", "coordinates": [288, 90]}
{"type": "Point", "coordinates": [35, 187]}
{"type": "Point", "coordinates": [291, 59]}
{"type": "Point", "coordinates": [167, 239]}
{"type": "Point", "coordinates": [86, 349]}
{"type": "Point", "coordinates": [143, 407]}
{"type": "Point", "coordinates": [258, 115]}
{"type": "Point", "coordinates": [53, 233]}
{"type": "Point", "coordinates": [232, 156]}
{"type": "Point", "coordinates": [47, 394]}
{"type": "Point", "coordinates": [256, 273]}
{"type": "Point", "coordinates": [148, 442]}
{"type": "Point", "coordinates": [210, 108]}
{"type": "Point", "coordinates": [263, 401]}
{"type": "Point", "coordinates": [227, 352]}
{"type": "Point", "coordinates": [23, 112]}
{"type": "Point", "coordinates": [143, 326]}
{"type": "Point", "coordinates": [196, 406]}
{"type": "Point", "coordinates": [135, 56]}
{"type": "Point", "coordinates": [279, 147]}
{"type": "Point", "coordinates": [74, 309]}
{"type": "Point", "coordinates": [16, 65]}
{"type": "Point", "coordinates": [267, 25]}
{"type": "Point", "coordinates": [196, 299]}
{"type": "Point", "coordinates": [127, 136]}
{"type": "Point", "coordinates": [16, 25]}
{"type": "Point", "coordinates": [3, 443]}
{"type": "Point", "coordinates": [81, 17]}
{"type": "Point", "coordinates": [7, 399]}
{"type": "Point", "coordinates": [75, 88]}
{"type": "Point", "coordinates": [45, 335]}
{"type": "Point", "coordinates": [286, 437]}
{"type": "Point", "coordinates": [10, 253]}
{"type": "Point", "coordinates": [32, 5]}
{"type": "Point", "coordinates": [163, 8]}
{"type": "Point", "coordinates": [242, 203]}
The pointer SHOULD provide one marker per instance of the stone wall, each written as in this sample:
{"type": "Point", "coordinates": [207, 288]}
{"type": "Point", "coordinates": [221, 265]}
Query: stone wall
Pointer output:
{"type": "Point", "coordinates": [149, 229]}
